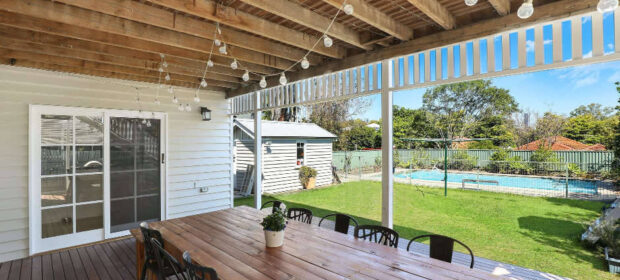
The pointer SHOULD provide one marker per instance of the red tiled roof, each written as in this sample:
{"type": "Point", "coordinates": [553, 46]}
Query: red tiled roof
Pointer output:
{"type": "Point", "coordinates": [560, 143]}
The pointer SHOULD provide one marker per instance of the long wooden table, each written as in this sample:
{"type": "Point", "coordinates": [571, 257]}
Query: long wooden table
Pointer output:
{"type": "Point", "coordinates": [232, 242]}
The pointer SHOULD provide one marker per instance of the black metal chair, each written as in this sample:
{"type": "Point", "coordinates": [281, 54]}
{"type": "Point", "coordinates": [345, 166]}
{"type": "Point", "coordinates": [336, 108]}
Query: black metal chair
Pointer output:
{"type": "Point", "coordinates": [442, 247]}
{"type": "Point", "coordinates": [166, 261]}
{"type": "Point", "coordinates": [342, 222]}
{"type": "Point", "coordinates": [276, 204]}
{"type": "Point", "coordinates": [377, 234]}
{"type": "Point", "coordinates": [197, 272]}
{"type": "Point", "coordinates": [300, 214]}
{"type": "Point", "coordinates": [150, 262]}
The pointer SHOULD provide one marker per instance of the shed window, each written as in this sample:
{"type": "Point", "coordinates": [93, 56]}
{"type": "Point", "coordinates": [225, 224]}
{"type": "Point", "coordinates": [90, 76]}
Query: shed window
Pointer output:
{"type": "Point", "coordinates": [300, 153]}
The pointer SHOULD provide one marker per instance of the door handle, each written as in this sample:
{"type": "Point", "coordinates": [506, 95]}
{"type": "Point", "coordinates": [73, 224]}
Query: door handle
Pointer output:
{"type": "Point", "coordinates": [163, 158]}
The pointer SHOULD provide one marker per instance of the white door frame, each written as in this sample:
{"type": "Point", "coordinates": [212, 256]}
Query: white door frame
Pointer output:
{"type": "Point", "coordinates": [38, 244]}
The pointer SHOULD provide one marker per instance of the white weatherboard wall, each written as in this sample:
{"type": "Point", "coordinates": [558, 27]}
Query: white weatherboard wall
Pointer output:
{"type": "Point", "coordinates": [198, 151]}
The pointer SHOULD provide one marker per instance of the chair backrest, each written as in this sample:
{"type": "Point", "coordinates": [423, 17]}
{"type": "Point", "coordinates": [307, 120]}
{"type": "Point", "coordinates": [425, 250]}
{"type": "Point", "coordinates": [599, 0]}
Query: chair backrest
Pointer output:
{"type": "Point", "coordinates": [276, 204]}
{"type": "Point", "coordinates": [197, 272]}
{"type": "Point", "coordinates": [442, 247]}
{"type": "Point", "coordinates": [377, 234]}
{"type": "Point", "coordinates": [165, 261]}
{"type": "Point", "coordinates": [300, 214]}
{"type": "Point", "coordinates": [342, 222]}
{"type": "Point", "coordinates": [147, 235]}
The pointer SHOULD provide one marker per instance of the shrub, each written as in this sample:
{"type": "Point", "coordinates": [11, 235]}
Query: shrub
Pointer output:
{"type": "Point", "coordinates": [305, 173]}
{"type": "Point", "coordinates": [461, 160]}
{"type": "Point", "coordinates": [274, 221]}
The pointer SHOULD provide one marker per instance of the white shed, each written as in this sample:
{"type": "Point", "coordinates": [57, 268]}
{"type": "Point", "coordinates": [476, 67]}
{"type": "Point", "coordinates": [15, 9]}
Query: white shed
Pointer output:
{"type": "Point", "coordinates": [286, 147]}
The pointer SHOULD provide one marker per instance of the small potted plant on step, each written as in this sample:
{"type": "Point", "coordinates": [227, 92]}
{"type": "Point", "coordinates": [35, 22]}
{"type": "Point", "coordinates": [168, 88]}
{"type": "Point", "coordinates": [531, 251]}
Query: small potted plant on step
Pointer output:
{"type": "Point", "coordinates": [307, 176]}
{"type": "Point", "coordinates": [273, 226]}
{"type": "Point", "coordinates": [607, 231]}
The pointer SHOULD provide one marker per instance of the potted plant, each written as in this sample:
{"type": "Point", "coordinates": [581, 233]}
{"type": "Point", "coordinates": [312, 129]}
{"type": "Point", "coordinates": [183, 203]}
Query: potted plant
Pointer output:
{"type": "Point", "coordinates": [607, 231]}
{"type": "Point", "coordinates": [307, 176]}
{"type": "Point", "coordinates": [273, 226]}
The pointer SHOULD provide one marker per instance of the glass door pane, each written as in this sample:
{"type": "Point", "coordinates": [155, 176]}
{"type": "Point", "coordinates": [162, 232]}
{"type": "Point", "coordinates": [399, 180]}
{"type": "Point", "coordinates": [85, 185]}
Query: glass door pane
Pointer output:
{"type": "Point", "coordinates": [135, 172]}
{"type": "Point", "coordinates": [71, 174]}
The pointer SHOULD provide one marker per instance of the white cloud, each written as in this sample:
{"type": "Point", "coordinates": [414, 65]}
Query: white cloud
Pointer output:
{"type": "Point", "coordinates": [588, 80]}
{"type": "Point", "coordinates": [547, 42]}
{"type": "Point", "coordinates": [615, 77]}
{"type": "Point", "coordinates": [529, 46]}
{"type": "Point", "coordinates": [588, 54]}
{"type": "Point", "coordinates": [585, 19]}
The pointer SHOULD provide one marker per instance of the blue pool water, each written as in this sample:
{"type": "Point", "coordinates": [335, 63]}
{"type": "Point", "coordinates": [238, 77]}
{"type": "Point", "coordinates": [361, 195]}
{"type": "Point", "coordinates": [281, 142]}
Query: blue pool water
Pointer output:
{"type": "Point", "coordinates": [538, 183]}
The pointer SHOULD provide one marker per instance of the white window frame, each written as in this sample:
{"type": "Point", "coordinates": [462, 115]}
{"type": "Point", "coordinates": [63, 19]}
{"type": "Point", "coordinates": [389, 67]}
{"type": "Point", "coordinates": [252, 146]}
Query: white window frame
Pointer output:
{"type": "Point", "coordinates": [303, 163]}
{"type": "Point", "coordinates": [38, 244]}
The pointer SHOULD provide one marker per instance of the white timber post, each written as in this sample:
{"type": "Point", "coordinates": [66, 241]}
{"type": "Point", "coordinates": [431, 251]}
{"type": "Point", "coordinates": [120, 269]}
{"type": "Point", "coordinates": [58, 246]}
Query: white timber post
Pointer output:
{"type": "Point", "coordinates": [387, 180]}
{"type": "Point", "coordinates": [258, 154]}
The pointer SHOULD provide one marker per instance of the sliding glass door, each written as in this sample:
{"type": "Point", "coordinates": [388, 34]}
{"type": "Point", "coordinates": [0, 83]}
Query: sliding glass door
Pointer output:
{"type": "Point", "coordinates": [94, 174]}
{"type": "Point", "coordinates": [135, 172]}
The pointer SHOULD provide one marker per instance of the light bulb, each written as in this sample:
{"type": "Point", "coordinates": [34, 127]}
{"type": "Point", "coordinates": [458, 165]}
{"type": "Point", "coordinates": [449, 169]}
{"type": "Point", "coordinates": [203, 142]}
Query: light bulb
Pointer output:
{"type": "Point", "coordinates": [263, 82]}
{"type": "Point", "coordinates": [167, 76]}
{"type": "Point", "coordinates": [148, 123]}
{"type": "Point", "coordinates": [203, 83]}
{"type": "Point", "coordinates": [196, 98]}
{"type": "Point", "coordinates": [188, 108]}
{"type": "Point", "coordinates": [157, 102]}
{"type": "Point", "coordinates": [217, 42]}
{"type": "Point", "coordinates": [526, 10]}
{"type": "Point", "coordinates": [246, 76]}
{"type": "Point", "coordinates": [471, 2]}
{"type": "Point", "coordinates": [209, 63]}
{"type": "Point", "coordinates": [328, 42]}
{"type": "Point", "coordinates": [165, 64]}
{"type": "Point", "coordinates": [181, 107]}
{"type": "Point", "coordinates": [170, 90]}
{"type": "Point", "coordinates": [175, 100]}
{"type": "Point", "coordinates": [282, 79]}
{"type": "Point", "coordinates": [348, 9]}
{"type": "Point", "coordinates": [161, 69]}
{"type": "Point", "coordinates": [607, 5]}
{"type": "Point", "coordinates": [305, 63]}
{"type": "Point", "coordinates": [162, 55]}
{"type": "Point", "coordinates": [143, 121]}
{"type": "Point", "coordinates": [222, 49]}
{"type": "Point", "coordinates": [234, 64]}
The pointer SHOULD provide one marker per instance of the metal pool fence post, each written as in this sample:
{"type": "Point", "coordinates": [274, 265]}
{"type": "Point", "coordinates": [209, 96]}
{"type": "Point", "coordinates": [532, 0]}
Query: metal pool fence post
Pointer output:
{"type": "Point", "coordinates": [410, 171]}
{"type": "Point", "coordinates": [360, 165]}
{"type": "Point", "coordinates": [566, 167]}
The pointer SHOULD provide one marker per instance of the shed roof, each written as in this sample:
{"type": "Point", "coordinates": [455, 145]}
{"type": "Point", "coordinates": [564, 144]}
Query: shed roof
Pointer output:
{"type": "Point", "coordinates": [285, 129]}
{"type": "Point", "coordinates": [561, 143]}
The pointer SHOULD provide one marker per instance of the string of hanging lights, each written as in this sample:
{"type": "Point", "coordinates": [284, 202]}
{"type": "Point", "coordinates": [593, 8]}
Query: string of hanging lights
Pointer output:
{"type": "Point", "coordinates": [525, 11]}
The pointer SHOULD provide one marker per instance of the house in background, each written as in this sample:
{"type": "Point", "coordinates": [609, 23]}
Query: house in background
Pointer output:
{"type": "Point", "coordinates": [560, 143]}
{"type": "Point", "coordinates": [287, 146]}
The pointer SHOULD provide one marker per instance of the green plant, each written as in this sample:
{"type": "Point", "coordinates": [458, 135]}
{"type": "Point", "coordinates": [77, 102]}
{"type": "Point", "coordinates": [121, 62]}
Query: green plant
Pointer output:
{"type": "Point", "coordinates": [607, 231]}
{"type": "Point", "coordinates": [274, 221]}
{"type": "Point", "coordinates": [305, 173]}
{"type": "Point", "coordinates": [574, 170]}
{"type": "Point", "coordinates": [461, 160]}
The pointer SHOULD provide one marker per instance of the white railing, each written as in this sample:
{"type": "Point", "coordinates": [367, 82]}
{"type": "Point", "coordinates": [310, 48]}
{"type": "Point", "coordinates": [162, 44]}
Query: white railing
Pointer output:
{"type": "Point", "coordinates": [481, 58]}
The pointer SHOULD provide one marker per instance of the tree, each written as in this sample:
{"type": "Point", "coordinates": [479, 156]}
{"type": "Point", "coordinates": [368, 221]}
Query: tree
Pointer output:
{"type": "Point", "coordinates": [595, 110]}
{"type": "Point", "coordinates": [616, 165]}
{"type": "Point", "coordinates": [360, 137]}
{"type": "Point", "coordinates": [549, 125]}
{"type": "Point", "coordinates": [457, 108]}
{"type": "Point", "coordinates": [411, 123]}
{"type": "Point", "coordinates": [333, 116]}
{"type": "Point", "coordinates": [495, 127]}
{"type": "Point", "coordinates": [587, 129]}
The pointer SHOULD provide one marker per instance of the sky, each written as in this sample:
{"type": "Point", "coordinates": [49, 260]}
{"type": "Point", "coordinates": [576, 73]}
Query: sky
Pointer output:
{"type": "Point", "coordinates": [558, 90]}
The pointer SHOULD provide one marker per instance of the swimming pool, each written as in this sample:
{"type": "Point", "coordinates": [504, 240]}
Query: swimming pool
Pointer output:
{"type": "Point", "coordinates": [514, 181]}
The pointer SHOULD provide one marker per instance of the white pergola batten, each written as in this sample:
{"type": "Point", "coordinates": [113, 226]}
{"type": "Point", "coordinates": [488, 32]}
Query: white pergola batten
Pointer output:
{"type": "Point", "coordinates": [482, 58]}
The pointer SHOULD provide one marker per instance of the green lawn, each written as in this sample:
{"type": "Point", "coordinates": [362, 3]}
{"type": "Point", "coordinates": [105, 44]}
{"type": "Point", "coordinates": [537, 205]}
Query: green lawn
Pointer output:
{"type": "Point", "coordinates": [537, 233]}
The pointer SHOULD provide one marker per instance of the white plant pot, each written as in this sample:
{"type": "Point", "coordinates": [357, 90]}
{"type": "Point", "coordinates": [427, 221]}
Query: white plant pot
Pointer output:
{"type": "Point", "coordinates": [274, 238]}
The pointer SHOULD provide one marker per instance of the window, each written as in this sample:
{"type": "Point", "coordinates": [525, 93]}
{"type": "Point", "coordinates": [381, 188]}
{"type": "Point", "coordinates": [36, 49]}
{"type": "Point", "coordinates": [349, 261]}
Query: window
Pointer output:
{"type": "Point", "coordinates": [301, 149]}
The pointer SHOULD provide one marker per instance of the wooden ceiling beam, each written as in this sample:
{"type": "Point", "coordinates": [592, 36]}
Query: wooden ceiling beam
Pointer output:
{"type": "Point", "coordinates": [371, 15]}
{"type": "Point", "coordinates": [89, 72]}
{"type": "Point", "coordinates": [210, 10]}
{"type": "Point", "coordinates": [544, 13]}
{"type": "Point", "coordinates": [77, 32]}
{"type": "Point", "coordinates": [90, 65]}
{"type": "Point", "coordinates": [155, 16]}
{"type": "Point", "coordinates": [437, 12]}
{"type": "Point", "coordinates": [301, 15]}
{"type": "Point", "coordinates": [75, 16]}
{"type": "Point", "coordinates": [17, 41]}
{"type": "Point", "coordinates": [501, 6]}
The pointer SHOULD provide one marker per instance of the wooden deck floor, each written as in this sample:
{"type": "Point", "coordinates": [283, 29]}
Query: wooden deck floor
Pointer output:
{"type": "Point", "coordinates": [109, 260]}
